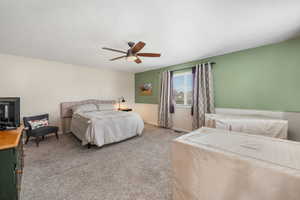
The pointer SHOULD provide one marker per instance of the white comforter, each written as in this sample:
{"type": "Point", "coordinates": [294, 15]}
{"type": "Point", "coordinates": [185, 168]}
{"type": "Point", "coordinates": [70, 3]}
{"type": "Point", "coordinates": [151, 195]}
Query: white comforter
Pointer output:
{"type": "Point", "coordinates": [105, 127]}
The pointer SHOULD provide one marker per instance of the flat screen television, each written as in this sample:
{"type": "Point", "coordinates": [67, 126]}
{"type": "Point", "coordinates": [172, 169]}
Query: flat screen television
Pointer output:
{"type": "Point", "coordinates": [9, 112]}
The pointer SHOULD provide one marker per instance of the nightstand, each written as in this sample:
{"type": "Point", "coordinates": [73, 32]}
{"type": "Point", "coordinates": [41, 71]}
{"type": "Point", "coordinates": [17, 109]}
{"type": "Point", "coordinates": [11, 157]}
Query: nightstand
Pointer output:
{"type": "Point", "coordinates": [125, 109]}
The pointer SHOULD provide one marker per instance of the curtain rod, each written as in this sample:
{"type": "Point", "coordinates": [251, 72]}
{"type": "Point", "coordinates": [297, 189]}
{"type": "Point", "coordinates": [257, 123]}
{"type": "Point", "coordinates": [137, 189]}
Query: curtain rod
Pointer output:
{"type": "Point", "coordinates": [212, 63]}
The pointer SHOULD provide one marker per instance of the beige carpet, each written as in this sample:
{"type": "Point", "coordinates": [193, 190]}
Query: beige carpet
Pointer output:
{"type": "Point", "coordinates": [136, 169]}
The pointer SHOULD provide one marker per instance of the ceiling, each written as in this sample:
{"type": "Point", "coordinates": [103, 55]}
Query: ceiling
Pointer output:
{"type": "Point", "coordinates": [73, 31]}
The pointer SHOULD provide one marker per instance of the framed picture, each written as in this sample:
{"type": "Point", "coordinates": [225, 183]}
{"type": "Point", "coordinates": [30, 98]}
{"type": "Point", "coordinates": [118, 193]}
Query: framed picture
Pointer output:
{"type": "Point", "coordinates": [146, 89]}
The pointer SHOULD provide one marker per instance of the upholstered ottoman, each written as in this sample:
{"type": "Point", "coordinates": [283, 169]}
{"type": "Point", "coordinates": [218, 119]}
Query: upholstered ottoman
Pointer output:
{"type": "Point", "coordinates": [211, 164]}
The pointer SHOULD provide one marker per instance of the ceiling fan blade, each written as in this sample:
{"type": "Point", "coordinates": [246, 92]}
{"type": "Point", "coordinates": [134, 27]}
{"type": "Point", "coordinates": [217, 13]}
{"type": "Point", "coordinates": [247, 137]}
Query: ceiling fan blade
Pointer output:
{"type": "Point", "coordinates": [115, 50]}
{"type": "Point", "coordinates": [117, 58]}
{"type": "Point", "coordinates": [138, 47]}
{"type": "Point", "coordinates": [138, 61]}
{"type": "Point", "coordinates": [149, 54]}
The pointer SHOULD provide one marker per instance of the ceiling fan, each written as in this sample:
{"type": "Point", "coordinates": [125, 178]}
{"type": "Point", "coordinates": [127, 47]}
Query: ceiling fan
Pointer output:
{"type": "Point", "coordinates": [132, 54]}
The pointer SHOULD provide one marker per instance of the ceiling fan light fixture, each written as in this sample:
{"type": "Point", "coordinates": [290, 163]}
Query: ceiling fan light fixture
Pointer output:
{"type": "Point", "coordinates": [131, 58]}
{"type": "Point", "coordinates": [133, 53]}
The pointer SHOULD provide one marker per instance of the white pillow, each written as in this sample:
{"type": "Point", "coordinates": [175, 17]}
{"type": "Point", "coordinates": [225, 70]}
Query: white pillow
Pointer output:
{"type": "Point", "coordinates": [106, 107]}
{"type": "Point", "coordinates": [38, 123]}
{"type": "Point", "coordinates": [85, 108]}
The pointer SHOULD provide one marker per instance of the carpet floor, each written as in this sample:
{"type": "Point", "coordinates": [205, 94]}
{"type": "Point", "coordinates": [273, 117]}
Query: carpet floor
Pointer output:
{"type": "Point", "coordinates": [135, 169]}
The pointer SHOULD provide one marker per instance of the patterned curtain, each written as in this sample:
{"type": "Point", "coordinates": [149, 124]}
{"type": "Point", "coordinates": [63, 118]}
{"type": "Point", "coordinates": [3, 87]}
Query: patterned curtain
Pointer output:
{"type": "Point", "coordinates": [203, 94]}
{"type": "Point", "coordinates": [166, 101]}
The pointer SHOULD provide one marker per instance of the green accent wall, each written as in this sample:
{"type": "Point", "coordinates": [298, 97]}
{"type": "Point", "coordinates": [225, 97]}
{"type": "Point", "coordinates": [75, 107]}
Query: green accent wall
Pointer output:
{"type": "Point", "coordinates": [265, 78]}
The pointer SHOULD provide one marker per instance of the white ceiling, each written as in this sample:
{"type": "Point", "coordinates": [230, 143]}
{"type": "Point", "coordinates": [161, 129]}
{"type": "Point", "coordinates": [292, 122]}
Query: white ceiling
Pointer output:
{"type": "Point", "coordinates": [73, 31]}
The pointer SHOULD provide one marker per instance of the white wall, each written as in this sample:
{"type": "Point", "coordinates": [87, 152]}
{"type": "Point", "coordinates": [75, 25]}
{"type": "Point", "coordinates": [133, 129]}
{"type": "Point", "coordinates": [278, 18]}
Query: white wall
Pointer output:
{"type": "Point", "coordinates": [183, 120]}
{"type": "Point", "coordinates": [42, 84]}
{"type": "Point", "coordinates": [149, 112]}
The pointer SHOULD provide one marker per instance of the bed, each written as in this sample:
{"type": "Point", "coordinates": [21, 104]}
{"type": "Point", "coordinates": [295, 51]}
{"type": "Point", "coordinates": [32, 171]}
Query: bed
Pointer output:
{"type": "Point", "coordinates": [251, 124]}
{"type": "Point", "coordinates": [218, 164]}
{"type": "Point", "coordinates": [97, 122]}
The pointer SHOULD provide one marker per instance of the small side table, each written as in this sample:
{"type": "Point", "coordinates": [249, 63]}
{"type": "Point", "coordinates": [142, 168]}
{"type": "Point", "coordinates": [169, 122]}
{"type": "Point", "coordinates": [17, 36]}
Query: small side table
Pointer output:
{"type": "Point", "coordinates": [125, 109]}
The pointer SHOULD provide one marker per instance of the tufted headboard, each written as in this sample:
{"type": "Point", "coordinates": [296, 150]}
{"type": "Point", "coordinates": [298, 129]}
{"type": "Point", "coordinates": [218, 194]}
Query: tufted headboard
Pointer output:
{"type": "Point", "coordinates": [66, 110]}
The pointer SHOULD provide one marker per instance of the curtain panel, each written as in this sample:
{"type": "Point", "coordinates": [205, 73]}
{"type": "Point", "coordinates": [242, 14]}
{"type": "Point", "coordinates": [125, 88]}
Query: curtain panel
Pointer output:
{"type": "Point", "coordinates": [166, 101]}
{"type": "Point", "coordinates": [203, 94]}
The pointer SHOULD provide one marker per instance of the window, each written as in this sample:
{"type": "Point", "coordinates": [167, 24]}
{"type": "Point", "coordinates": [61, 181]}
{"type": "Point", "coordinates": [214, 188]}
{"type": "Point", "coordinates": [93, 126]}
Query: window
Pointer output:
{"type": "Point", "coordinates": [183, 87]}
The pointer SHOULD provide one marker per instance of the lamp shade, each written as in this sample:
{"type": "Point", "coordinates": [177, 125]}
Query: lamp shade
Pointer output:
{"type": "Point", "coordinates": [122, 99]}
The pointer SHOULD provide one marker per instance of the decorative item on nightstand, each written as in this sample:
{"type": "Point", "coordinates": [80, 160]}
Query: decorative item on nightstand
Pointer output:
{"type": "Point", "coordinates": [121, 100]}
{"type": "Point", "coordinates": [125, 109]}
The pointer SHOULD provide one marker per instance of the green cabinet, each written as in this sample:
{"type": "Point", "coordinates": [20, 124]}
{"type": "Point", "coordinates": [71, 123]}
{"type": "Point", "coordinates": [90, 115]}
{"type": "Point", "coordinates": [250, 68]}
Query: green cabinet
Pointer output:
{"type": "Point", "coordinates": [11, 168]}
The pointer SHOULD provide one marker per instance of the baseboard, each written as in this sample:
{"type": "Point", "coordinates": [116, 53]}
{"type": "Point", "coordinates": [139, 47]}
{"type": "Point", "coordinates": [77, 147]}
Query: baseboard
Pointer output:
{"type": "Point", "coordinates": [180, 129]}
{"type": "Point", "coordinates": [151, 123]}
